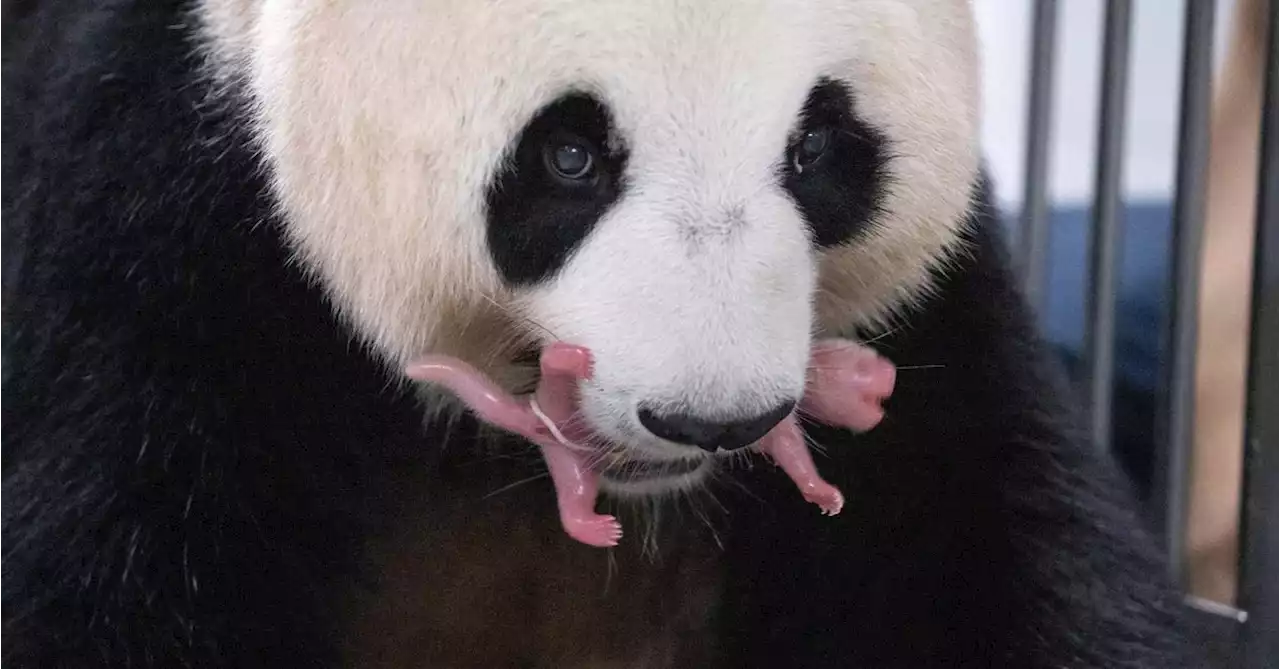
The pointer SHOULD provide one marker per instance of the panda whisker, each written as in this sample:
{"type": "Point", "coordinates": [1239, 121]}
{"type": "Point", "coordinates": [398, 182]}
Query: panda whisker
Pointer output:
{"type": "Point", "coordinates": [804, 418]}
{"type": "Point", "coordinates": [508, 346]}
{"type": "Point", "coordinates": [576, 419]}
{"type": "Point", "coordinates": [850, 133]}
{"type": "Point", "coordinates": [518, 317]}
{"type": "Point", "coordinates": [813, 444]}
{"type": "Point", "coordinates": [711, 497]}
{"type": "Point", "coordinates": [652, 517]}
{"type": "Point", "coordinates": [465, 326]}
{"type": "Point", "coordinates": [808, 385]}
{"type": "Point", "coordinates": [706, 521]}
{"type": "Point", "coordinates": [819, 368]}
{"type": "Point", "coordinates": [746, 458]}
{"type": "Point", "coordinates": [601, 451]}
{"type": "Point", "coordinates": [517, 457]}
{"type": "Point", "coordinates": [505, 351]}
{"type": "Point", "coordinates": [733, 481]}
{"type": "Point", "coordinates": [882, 335]}
{"type": "Point", "coordinates": [511, 486]}
{"type": "Point", "coordinates": [597, 457]}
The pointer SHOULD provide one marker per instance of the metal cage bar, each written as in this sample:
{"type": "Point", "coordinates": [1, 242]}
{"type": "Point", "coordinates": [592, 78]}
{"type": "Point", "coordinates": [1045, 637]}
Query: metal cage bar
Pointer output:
{"type": "Point", "coordinates": [1250, 628]}
{"type": "Point", "coordinates": [1034, 226]}
{"type": "Point", "coordinates": [1258, 513]}
{"type": "Point", "coordinates": [1104, 254]}
{"type": "Point", "coordinates": [1177, 401]}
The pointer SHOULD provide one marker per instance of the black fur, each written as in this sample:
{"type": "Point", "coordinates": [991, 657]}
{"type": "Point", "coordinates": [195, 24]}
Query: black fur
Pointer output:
{"type": "Point", "coordinates": [536, 219]}
{"type": "Point", "coordinates": [841, 192]}
{"type": "Point", "coordinates": [187, 432]}
{"type": "Point", "coordinates": [195, 452]}
{"type": "Point", "coordinates": [979, 528]}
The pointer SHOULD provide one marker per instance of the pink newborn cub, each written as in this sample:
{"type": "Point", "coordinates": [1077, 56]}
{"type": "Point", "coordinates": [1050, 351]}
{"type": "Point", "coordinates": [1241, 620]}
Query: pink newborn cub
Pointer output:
{"type": "Point", "coordinates": [845, 386]}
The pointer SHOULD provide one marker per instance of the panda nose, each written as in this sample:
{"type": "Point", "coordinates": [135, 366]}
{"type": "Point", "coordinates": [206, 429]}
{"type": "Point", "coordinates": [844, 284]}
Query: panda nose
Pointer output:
{"type": "Point", "coordinates": [683, 428]}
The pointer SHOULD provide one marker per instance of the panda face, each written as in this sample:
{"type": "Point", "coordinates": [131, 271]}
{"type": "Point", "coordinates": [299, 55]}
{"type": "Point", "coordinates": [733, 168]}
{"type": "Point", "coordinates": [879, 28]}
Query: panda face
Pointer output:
{"type": "Point", "coordinates": [693, 190]}
{"type": "Point", "coordinates": [686, 265]}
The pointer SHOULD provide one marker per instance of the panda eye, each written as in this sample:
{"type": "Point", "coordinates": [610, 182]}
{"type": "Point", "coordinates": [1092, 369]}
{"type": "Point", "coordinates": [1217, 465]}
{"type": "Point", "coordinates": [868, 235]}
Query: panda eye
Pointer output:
{"type": "Point", "coordinates": [571, 160]}
{"type": "Point", "coordinates": [812, 146]}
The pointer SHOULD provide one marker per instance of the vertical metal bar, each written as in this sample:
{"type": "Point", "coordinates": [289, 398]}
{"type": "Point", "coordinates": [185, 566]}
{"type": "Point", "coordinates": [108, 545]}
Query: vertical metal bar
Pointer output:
{"type": "Point", "coordinates": [1176, 418]}
{"type": "Point", "coordinates": [1258, 523]}
{"type": "Point", "coordinates": [1034, 229]}
{"type": "Point", "coordinates": [1104, 256]}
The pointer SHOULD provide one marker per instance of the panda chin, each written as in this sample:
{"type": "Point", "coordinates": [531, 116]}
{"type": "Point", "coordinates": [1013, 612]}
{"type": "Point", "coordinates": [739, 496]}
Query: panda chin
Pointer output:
{"type": "Point", "coordinates": [631, 477]}
{"type": "Point", "coordinates": [631, 466]}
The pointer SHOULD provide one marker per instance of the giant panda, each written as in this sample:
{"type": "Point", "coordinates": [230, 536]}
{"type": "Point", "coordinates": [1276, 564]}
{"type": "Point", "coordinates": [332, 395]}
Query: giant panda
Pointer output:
{"type": "Point", "coordinates": [230, 224]}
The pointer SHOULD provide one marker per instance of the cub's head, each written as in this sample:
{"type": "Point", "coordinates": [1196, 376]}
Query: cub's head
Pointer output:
{"type": "Point", "coordinates": [692, 190]}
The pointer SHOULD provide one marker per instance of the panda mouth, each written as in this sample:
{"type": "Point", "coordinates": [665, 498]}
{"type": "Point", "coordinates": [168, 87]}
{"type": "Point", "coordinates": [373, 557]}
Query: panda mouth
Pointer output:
{"type": "Point", "coordinates": [619, 467]}
{"type": "Point", "coordinates": [845, 386]}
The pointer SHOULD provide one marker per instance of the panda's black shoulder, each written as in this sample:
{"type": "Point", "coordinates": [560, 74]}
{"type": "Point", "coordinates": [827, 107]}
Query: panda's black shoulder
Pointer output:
{"type": "Point", "coordinates": [980, 528]}
{"type": "Point", "coordinates": [112, 153]}
{"type": "Point", "coordinates": [186, 424]}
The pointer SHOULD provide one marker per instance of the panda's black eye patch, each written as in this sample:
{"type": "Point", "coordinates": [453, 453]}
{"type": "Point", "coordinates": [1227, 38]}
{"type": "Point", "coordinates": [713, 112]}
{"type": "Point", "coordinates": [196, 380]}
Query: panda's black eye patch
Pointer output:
{"type": "Point", "coordinates": [562, 175]}
{"type": "Point", "coordinates": [836, 166]}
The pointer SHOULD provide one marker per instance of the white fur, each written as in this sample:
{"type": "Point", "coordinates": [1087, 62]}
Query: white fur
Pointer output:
{"type": "Point", "coordinates": [383, 122]}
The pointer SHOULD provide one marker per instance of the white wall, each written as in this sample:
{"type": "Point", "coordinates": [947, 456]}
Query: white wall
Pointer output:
{"type": "Point", "coordinates": [1154, 79]}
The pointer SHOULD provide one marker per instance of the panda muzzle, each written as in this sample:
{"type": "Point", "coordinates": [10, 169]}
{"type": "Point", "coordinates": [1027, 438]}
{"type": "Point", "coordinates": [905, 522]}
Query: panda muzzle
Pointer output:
{"type": "Point", "coordinates": [845, 386]}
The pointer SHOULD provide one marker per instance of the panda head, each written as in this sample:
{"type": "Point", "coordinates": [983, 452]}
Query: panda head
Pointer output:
{"type": "Point", "coordinates": [692, 190]}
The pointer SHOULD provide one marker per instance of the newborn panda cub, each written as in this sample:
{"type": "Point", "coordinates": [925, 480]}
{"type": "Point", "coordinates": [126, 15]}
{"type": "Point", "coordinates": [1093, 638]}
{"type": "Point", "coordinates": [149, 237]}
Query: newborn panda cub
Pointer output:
{"type": "Point", "coordinates": [846, 384]}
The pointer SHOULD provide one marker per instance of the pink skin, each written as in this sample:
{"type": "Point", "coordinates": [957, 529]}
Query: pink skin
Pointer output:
{"type": "Point", "coordinates": [562, 367]}
{"type": "Point", "coordinates": [846, 384]}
